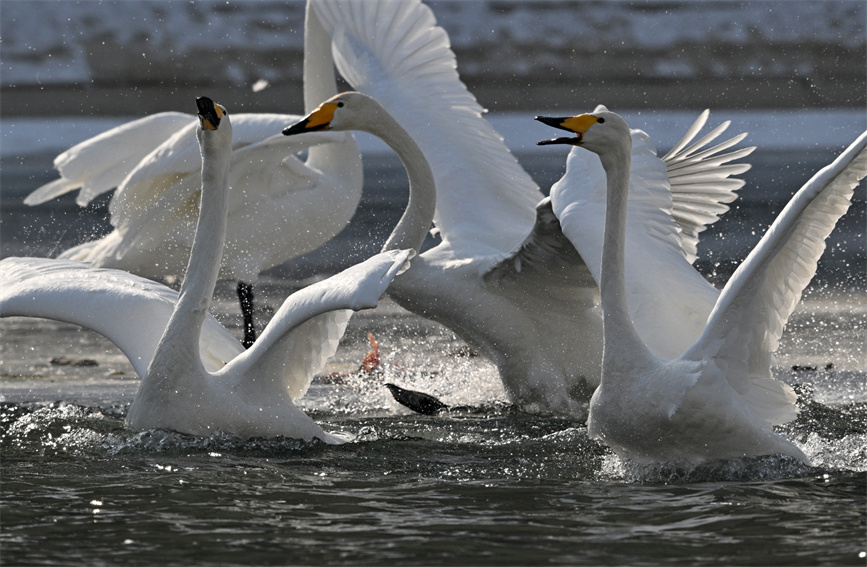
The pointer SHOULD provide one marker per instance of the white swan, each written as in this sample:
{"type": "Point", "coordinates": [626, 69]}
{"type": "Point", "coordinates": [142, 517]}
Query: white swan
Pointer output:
{"type": "Point", "coordinates": [486, 205]}
{"type": "Point", "coordinates": [671, 200]}
{"type": "Point", "coordinates": [522, 310]}
{"type": "Point", "coordinates": [279, 207]}
{"type": "Point", "coordinates": [717, 400]}
{"type": "Point", "coordinates": [221, 387]}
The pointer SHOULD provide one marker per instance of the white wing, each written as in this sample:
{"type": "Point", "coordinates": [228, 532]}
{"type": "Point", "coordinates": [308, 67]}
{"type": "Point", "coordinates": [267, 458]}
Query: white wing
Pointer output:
{"type": "Point", "coordinates": [100, 164]}
{"type": "Point", "coordinates": [701, 187]}
{"type": "Point", "coordinates": [771, 279]}
{"type": "Point", "coordinates": [394, 52]}
{"type": "Point", "coordinates": [130, 311]}
{"type": "Point", "coordinates": [178, 156]}
{"type": "Point", "coordinates": [261, 174]}
{"type": "Point", "coordinates": [306, 329]}
{"type": "Point", "coordinates": [668, 300]}
{"type": "Point", "coordinates": [744, 329]}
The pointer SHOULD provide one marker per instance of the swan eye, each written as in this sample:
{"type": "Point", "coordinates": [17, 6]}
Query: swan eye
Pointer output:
{"type": "Point", "coordinates": [339, 105]}
{"type": "Point", "coordinates": [600, 121]}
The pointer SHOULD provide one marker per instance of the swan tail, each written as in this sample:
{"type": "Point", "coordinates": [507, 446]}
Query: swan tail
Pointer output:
{"type": "Point", "coordinates": [773, 400]}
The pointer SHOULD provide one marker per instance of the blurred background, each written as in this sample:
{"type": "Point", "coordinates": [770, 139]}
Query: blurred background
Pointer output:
{"type": "Point", "coordinates": [130, 58]}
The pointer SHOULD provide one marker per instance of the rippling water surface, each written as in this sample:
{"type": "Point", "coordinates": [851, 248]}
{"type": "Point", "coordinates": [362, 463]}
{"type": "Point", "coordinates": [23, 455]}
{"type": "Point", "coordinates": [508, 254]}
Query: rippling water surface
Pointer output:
{"type": "Point", "coordinates": [482, 484]}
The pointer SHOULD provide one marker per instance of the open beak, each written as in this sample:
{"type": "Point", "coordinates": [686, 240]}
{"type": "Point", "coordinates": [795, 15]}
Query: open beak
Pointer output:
{"type": "Point", "coordinates": [210, 113]}
{"type": "Point", "coordinates": [319, 119]}
{"type": "Point", "coordinates": [562, 124]}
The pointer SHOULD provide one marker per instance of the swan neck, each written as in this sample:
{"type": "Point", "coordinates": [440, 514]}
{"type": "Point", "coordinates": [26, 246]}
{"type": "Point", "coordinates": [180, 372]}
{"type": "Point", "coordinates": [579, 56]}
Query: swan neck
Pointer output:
{"type": "Point", "coordinates": [206, 253]}
{"type": "Point", "coordinates": [618, 330]}
{"type": "Point", "coordinates": [415, 223]}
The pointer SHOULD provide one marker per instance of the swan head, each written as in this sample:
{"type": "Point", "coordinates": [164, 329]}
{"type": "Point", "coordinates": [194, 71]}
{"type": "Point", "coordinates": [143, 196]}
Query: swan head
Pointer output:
{"type": "Point", "coordinates": [210, 113]}
{"type": "Point", "coordinates": [214, 124]}
{"type": "Point", "coordinates": [596, 131]}
{"type": "Point", "coordinates": [345, 111]}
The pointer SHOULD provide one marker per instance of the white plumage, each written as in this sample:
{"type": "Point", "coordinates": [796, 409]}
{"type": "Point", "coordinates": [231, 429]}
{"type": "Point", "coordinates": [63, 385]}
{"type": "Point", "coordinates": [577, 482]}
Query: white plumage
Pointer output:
{"type": "Point", "coordinates": [717, 399]}
{"type": "Point", "coordinates": [196, 378]}
{"type": "Point", "coordinates": [503, 277]}
{"type": "Point", "coordinates": [280, 207]}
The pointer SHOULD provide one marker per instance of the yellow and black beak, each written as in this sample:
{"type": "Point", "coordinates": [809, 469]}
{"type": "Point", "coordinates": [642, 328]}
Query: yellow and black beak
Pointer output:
{"type": "Point", "coordinates": [576, 124]}
{"type": "Point", "coordinates": [318, 120]}
{"type": "Point", "coordinates": [210, 113]}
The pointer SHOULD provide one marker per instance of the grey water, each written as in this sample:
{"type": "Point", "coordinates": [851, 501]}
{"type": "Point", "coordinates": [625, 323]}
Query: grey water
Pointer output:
{"type": "Point", "coordinates": [483, 484]}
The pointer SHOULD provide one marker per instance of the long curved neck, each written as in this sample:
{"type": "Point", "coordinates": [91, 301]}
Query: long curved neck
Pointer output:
{"type": "Point", "coordinates": [415, 223]}
{"type": "Point", "coordinates": [180, 341]}
{"type": "Point", "coordinates": [622, 342]}
{"type": "Point", "coordinates": [320, 84]}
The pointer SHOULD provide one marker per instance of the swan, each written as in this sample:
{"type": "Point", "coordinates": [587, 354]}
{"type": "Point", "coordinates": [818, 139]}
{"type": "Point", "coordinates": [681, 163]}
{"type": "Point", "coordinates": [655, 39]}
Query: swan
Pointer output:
{"type": "Point", "coordinates": [533, 312]}
{"type": "Point", "coordinates": [279, 207]}
{"type": "Point", "coordinates": [483, 279]}
{"type": "Point", "coordinates": [716, 400]}
{"type": "Point", "coordinates": [195, 377]}
{"type": "Point", "coordinates": [671, 200]}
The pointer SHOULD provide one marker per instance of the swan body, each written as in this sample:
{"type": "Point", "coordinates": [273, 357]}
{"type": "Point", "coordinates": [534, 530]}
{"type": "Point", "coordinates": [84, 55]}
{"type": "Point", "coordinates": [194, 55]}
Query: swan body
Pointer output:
{"type": "Point", "coordinates": [280, 207]}
{"type": "Point", "coordinates": [195, 378]}
{"type": "Point", "coordinates": [717, 399]}
{"type": "Point", "coordinates": [503, 277]}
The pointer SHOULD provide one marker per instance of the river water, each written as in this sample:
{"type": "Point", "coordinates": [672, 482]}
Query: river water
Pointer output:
{"type": "Point", "coordinates": [480, 485]}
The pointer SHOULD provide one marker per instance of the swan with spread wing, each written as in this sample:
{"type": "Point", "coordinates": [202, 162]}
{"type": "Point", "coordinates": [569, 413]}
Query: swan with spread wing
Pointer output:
{"type": "Point", "coordinates": [196, 378]}
{"type": "Point", "coordinates": [279, 206]}
{"type": "Point", "coordinates": [503, 277]}
{"type": "Point", "coordinates": [716, 399]}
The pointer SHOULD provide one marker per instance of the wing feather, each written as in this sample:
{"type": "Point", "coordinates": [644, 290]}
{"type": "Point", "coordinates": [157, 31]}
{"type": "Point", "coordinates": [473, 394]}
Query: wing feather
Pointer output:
{"type": "Point", "coordinates": [744, 329]}
{"type": "Point", "coordinates": [700, 181]}
{"type": "Point", "coordinates": [395, 52]}
{"type": "Point", "coordinates": [87, 165]}
{"type": "Point", "coordinates": [130, 311]}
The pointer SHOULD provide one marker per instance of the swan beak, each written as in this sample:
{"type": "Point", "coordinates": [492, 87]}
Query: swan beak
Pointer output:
{"type": "Point", "coordinates": [577, 124]}
{"type": "Point", "coordinates": [318, 120]}
{"type": "Point", "coordinates": [210, 113]}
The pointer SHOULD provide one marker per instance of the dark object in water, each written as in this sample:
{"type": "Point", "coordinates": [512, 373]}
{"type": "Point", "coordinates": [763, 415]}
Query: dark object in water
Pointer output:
{"type": "Point", "coordinates": [416, 401]}
{"type": "Point", "coordinates": [810, 368]}
{"type": "Point", "coordinates": [67, 361]}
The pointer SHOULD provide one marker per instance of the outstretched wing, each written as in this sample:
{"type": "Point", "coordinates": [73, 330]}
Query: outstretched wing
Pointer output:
{"type": "Point", "coordinates": [130, 311]}
{"type": "Point", "coordinates": [395, 52]}
{"type": "Point", "coordinates": [101, 163]}
{"type": "Point", "coordinates": [165, 189]}
{"type": "Point", "coordinates": [154, 177]}
{"type": "Point", "coordinates": [305, 331]}
{"type": "Point", "coordinates": [700, 180]}
{"type": "Point", "coordinates": [744, 329]}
